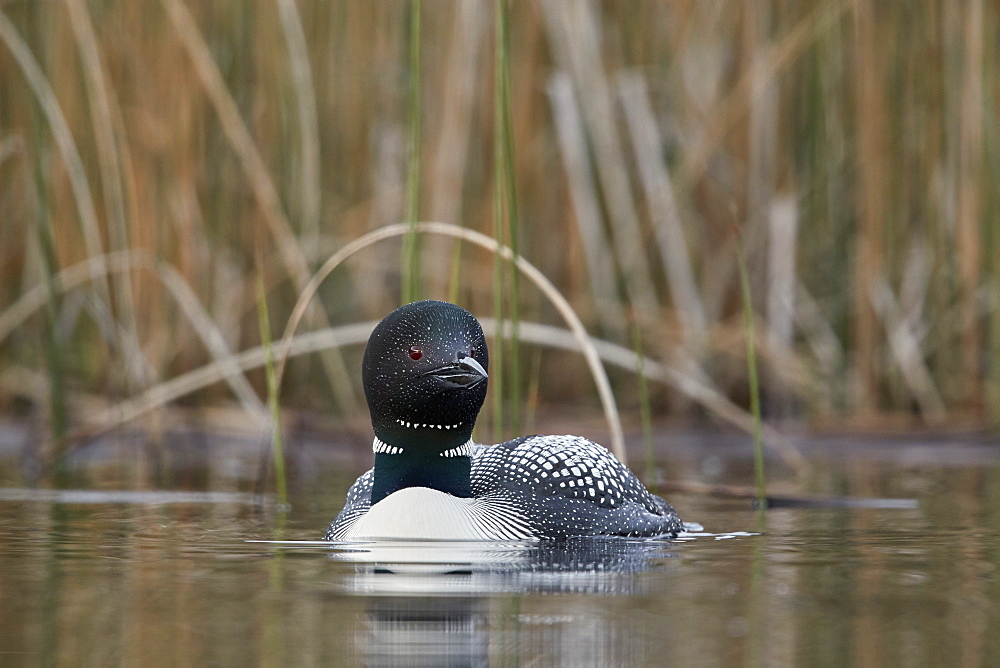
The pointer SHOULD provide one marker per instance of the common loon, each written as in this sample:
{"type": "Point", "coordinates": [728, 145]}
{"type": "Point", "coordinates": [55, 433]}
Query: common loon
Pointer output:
{"type": "Point", "coordinates": [425, 379]}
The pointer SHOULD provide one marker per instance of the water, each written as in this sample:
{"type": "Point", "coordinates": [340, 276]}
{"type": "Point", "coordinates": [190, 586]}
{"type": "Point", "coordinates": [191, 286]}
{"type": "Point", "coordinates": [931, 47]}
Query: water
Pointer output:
{"type": "Point", "coordinates": [161, 577]}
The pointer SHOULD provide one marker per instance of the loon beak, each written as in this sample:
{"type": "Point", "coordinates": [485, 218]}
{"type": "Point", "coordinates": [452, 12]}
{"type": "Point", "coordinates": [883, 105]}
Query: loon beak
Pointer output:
{"type": "Point", "coordinates": [465, 372]}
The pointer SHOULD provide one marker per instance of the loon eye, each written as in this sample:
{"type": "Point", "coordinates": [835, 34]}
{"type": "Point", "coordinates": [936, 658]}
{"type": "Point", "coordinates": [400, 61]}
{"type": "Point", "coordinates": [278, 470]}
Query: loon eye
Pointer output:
{"type": "Point", "coordinates": [416, 352]}
{"type": "Point", "coordinates": [472, 353]}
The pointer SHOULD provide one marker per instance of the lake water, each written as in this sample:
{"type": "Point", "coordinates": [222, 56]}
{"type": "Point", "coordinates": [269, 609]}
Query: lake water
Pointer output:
{"type": "Point", "coordinates": [110, 571]}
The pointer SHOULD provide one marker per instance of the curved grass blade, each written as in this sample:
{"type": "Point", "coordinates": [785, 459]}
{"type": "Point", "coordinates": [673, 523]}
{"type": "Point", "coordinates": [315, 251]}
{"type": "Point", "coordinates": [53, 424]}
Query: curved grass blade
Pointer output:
{"type": "Point", "coordinates": [529, 270]}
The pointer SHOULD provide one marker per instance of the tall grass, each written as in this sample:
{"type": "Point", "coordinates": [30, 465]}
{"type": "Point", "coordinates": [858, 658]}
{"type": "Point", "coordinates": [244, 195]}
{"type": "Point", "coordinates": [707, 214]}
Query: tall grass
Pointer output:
{"type": "Point", "coordinates": [271, 376]}
{"type": "Point", "coordinates": [506, 224]}
{"type": "Point", "coordinates": [56, 367]}
{"type": "Point", "coordinates": [855, 144]}
{"type": "Point", "coordinates": [411, 250]}
{"type": "Point", "coordinates": [760, 482]}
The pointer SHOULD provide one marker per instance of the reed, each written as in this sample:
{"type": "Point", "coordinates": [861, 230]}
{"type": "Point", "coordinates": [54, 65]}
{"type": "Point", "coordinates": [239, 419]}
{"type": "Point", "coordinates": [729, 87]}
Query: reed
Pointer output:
{"type": "Point", "coordinates": [599, 264]}
{"type": "Point", "coordinates": [498, 358]}
{"type": "Point", "coordinates": [273, 391]}
{"type": "Point", "coordinates": [411, 250]}
{"type": "Point", "coordinates": [290, 252]}
{"type": "Point", "coordinates": [506, 223]}
{"type": "Point", "coordinates": [195, 313]}
{"type": "Point", "coordinates": [310, 194]}
{"type": "Point", "coordinates": [69, 153]}
{"type": "Point", "coordinates": [616, 147]}
{"type": "Point", "coordinates": [549, 290]}
{"type": "Point", "coordinates": [871, 115]}
{"type": "Point", "coordinates": [751, 343]}
{"type": "Point", "coordinates": [645, 409]}
{"type": "Point", "coordinates": [609, 353]}
{"type": "Point", "coordinates": [58, 418]}
{"type": "Point", "coordinates": [513, 213]}
{"type": "Point", "coordinates": [136, 368]}
{"type": "Point", "coordinates": [454, 136]}
{"type": "Point", "coordinates": [991, 232]}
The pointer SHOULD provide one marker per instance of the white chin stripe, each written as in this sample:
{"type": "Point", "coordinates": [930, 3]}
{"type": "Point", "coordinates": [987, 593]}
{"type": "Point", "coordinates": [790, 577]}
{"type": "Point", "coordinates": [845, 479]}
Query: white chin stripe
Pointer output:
{"type": "Point", "coordinates": [464, 450]}
{"type": "Point", "coordinates": [427, 425]}
{"type": "Point", "coordinates": [383, 447]}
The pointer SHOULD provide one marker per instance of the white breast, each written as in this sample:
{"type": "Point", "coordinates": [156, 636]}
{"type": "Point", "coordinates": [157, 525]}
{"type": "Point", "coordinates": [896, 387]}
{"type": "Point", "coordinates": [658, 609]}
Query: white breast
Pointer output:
{"type": "Point", "coordinates": [420, 513]}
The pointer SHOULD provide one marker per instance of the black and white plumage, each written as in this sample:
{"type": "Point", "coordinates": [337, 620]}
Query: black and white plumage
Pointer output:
{"type": "Point", "coordinates": [425, 378]}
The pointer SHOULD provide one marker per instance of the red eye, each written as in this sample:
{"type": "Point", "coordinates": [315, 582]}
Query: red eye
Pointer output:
{"type": "Point", "coordinates": [472, 353]}
{"type": "Point", "coordinates": [416, 353]}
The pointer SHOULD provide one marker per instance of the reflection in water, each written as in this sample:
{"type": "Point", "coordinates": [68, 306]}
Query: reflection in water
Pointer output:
{"type": "Point", "coordinates": [592, 566]}
{"type": "Point", "coordinates": [430, 603]}
{"type": "Point", "coordinates": [103, 577]}
{"type": "Point", "coordinates": [468, 631]}
{"type": "Point", "coordinates": [425, 631]}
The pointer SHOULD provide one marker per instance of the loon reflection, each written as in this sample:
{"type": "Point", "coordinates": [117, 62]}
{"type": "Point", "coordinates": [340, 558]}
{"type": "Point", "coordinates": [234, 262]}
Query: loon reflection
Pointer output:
{"type": "Point", "coordinates": [584, 565]}
{"type": "Point", "coordinates": [458, 603]}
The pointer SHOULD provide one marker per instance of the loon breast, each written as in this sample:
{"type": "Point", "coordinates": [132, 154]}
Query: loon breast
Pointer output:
{"type": "Point", "coordinates": [421, 513]}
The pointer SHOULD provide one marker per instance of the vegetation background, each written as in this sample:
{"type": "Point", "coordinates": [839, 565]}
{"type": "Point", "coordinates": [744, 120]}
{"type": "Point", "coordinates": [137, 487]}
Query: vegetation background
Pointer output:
{"type": "Point", "coordinates": [158, 159]}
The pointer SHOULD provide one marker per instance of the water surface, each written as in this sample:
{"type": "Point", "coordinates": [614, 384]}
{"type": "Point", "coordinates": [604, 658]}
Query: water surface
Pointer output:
{"type": "Point", "coordinates": [111, 574]}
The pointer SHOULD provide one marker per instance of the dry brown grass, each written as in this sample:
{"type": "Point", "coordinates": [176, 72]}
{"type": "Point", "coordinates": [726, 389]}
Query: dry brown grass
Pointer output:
{"type": "Point", "coordinates": [855, 144]}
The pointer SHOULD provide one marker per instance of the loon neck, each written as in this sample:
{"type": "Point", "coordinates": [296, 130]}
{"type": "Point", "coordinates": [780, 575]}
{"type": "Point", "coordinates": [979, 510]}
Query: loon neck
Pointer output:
{"type": "Point", "coordinates": [397, 468]}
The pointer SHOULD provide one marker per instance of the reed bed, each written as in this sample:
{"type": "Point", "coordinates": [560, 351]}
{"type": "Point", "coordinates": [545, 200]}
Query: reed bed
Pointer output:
{"type": "Point", "coordinates": [613, 145]}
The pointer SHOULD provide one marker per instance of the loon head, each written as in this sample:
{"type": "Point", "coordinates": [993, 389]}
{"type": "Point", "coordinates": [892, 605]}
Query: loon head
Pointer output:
{"type": "Point", "coordinates": [425, 379]}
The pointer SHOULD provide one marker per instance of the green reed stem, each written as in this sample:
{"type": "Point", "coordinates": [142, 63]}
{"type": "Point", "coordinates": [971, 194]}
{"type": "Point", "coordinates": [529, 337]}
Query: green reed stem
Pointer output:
{"type": "Point", "coordinates": [993, 334]}
{"type": "Point", "coordinates": [506, 145]}
{"type": "Point", "coordinates": [53, 350]}
{"type": "Point", "coordinates": [500, 211]}
{"type": "Point", "coordinates": [277, 444]}
{"type": "Point", "coordinates": [991, 232]}
{"type": "Point", "coordinates": [645, 410]}
{"type": "Point", "coordinates": [497, 357]}
{"type": "Point", "coordinates": [411, 246]}
{"type": "Point", "coordinates": [748, 326]}
{"type": "Point", "coordinates": [505, 210]}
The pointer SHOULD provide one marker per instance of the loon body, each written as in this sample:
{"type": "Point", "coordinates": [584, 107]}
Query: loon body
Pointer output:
{"type": "Point", "coordinates": [425, 379]}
